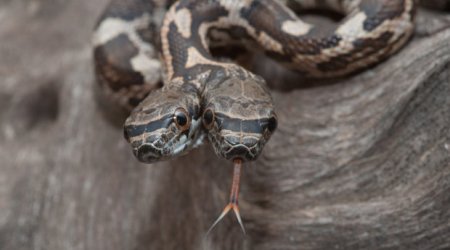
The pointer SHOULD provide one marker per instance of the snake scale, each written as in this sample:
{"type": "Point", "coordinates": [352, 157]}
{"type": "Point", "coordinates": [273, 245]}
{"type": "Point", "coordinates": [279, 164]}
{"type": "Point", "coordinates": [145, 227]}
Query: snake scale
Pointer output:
{"type": "Point", "coordinates": [189, 94]}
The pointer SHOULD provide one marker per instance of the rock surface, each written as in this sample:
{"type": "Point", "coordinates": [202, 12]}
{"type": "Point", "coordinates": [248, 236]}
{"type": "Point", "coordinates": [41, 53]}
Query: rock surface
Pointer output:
{"type": "Point", "coordinates": [360, 164]}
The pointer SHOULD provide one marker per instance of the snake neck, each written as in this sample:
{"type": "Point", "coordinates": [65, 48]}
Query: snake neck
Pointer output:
{"type": "Point", "coordinates": [184, 35]}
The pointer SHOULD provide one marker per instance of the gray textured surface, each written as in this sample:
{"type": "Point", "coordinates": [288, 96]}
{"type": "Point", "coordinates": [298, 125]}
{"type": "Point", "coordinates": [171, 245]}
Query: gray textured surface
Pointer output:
{"type": "Point", "coordinates": [360, 164]}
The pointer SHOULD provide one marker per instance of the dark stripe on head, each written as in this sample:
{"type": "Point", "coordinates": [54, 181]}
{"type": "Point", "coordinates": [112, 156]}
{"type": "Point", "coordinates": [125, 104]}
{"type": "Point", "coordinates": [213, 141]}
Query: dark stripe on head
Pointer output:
{"type": "Point", "coordinates": [256, 126]}
{"type": "Point", "coordinates": [136, 130]}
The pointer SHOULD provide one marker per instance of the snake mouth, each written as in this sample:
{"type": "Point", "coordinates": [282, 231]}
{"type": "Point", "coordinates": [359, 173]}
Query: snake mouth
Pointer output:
{"type": "Point", "coordinates": [158, 149]}
{"type": "Point", "coordinates": [148, 153]}
{"type": "Point", "coordinates": [246, 151]}
{"type": "Point", "coordinates": [239, 152]}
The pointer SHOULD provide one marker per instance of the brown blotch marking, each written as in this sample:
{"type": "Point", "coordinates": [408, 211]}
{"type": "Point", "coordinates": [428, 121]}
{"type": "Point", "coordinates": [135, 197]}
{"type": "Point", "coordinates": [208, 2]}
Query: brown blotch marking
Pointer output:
{"type": "Point", "coordinates": [112, 61]}
{"type": "Point", "coordinates": [379, 11]}
{"type": "Point", "coordinates": [150, 35]}
{"type": "Point", "coordinates": [236, 33]}
{"type": "Point", "coordinates": [178, 45]}
{"type": "Point", "coordinates": [366, 47]}
{"type": "Point", "coordinates": [269, 17]}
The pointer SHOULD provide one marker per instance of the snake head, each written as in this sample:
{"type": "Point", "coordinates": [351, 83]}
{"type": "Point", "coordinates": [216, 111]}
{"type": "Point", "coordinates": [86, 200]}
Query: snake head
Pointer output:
{"type": "Point", "coordinates": [238, 115]}
{"type": "Point", "coordinates": [165, 124]}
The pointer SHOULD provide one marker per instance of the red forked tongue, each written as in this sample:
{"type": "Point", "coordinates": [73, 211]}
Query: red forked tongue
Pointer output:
{"type": "Point", "coordinates": [234, 194]}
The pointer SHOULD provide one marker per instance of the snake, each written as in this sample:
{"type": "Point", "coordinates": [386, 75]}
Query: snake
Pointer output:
{"type": "Point", "coordinates": [154, 59]}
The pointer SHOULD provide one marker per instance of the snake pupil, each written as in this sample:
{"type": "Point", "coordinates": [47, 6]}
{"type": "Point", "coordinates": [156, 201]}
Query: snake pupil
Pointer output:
{"type": "Point", "coordinates": [208, 118]}
{"type": "Point", "coordinates": [181, 119]}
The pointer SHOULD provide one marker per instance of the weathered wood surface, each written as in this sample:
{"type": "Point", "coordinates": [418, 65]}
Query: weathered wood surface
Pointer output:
{"type": "Point", "coordinates": [360, 164]}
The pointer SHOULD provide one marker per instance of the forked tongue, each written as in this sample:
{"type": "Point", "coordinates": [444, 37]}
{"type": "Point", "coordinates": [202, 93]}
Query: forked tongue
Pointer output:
{"type": "Point", "coordinates": [234, 194]}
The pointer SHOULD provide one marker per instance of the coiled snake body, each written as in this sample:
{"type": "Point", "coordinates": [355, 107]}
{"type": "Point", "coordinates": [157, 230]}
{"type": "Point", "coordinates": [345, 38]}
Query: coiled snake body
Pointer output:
{"type": "Point", "coordinates": [202, 95]}
{"type": "Point", "coordinates": [233, 104]}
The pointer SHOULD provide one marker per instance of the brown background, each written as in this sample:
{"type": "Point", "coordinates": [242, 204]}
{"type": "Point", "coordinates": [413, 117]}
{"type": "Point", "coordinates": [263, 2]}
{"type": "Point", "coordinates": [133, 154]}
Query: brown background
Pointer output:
{"type": "Point", "coordinates": [360, 164]}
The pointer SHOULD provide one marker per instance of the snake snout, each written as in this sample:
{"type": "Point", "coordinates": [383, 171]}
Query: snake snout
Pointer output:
{"type": "Point", "coordinates": [147, 153]}
{"type": "Point", "coordinates": [239, 151]}
{"type": "Point", "coordinates": [246, 148]}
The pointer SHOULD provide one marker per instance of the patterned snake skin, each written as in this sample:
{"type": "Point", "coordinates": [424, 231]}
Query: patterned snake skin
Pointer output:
{"type": "Point", "coordinates": [189, 94]}
{"type": "Point", "coordinates": [204, 96]}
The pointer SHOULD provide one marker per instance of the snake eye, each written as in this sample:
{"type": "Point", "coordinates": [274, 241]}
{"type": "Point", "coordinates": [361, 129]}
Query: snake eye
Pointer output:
{"type": "Point", "coordinates": [181, 119]}
{"type": "Point", "coordinates": [125, 134]}
{"type": "Point", "coordinates": [272, 124]}
{"type": "Point", "coordinates": [208, 118]}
